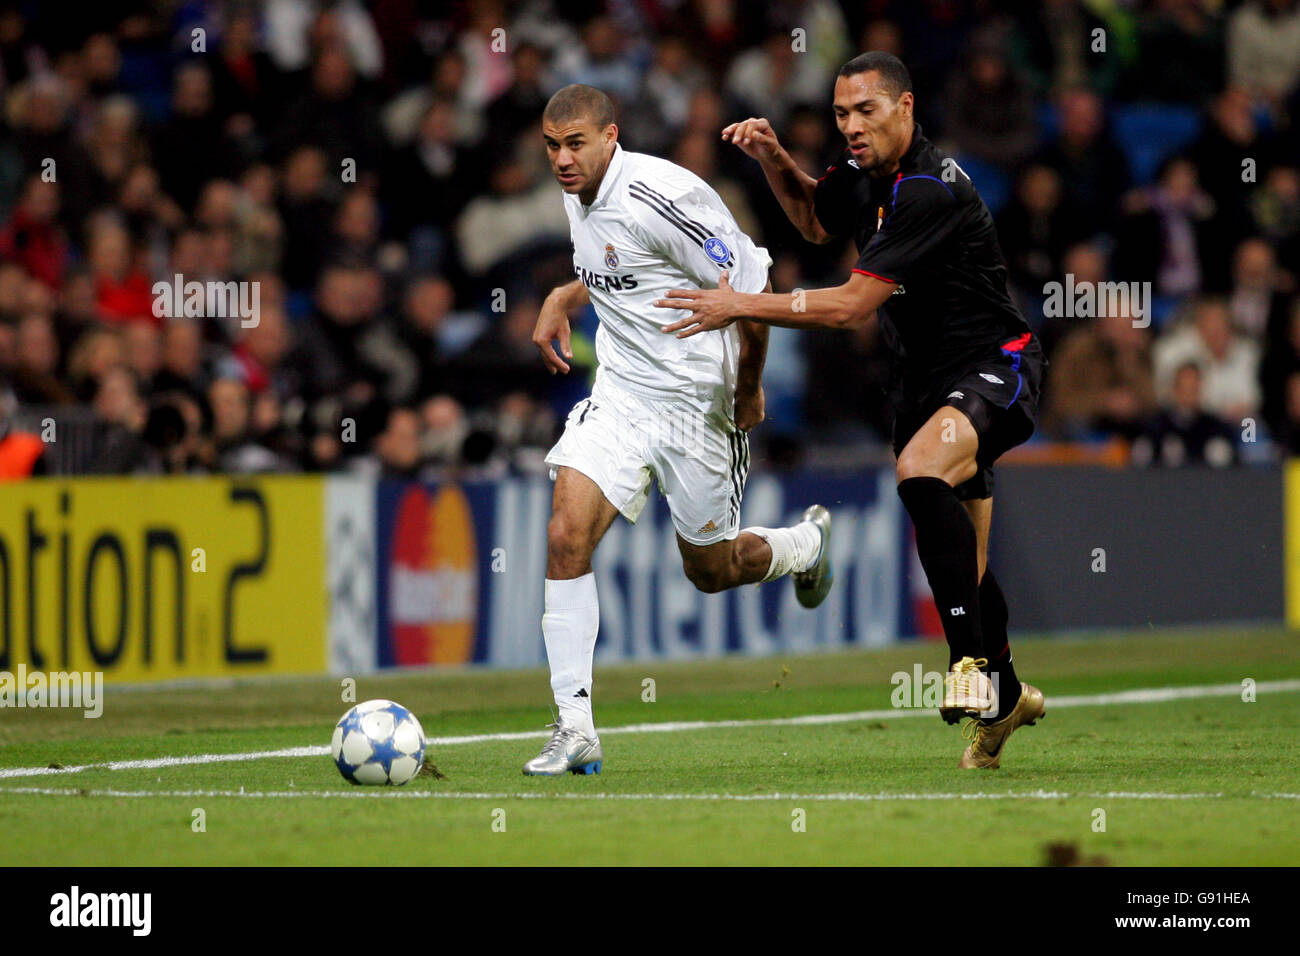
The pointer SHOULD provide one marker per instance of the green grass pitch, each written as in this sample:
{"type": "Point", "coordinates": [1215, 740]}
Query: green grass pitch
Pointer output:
{"type": "Point", "coordinates": [1207, 779]}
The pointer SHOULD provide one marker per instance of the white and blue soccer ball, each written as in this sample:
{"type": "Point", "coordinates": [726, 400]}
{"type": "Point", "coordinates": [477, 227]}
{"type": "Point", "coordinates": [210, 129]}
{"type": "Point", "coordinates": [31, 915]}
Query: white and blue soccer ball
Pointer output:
{"type": "Point", "coordinates": [379, 743]}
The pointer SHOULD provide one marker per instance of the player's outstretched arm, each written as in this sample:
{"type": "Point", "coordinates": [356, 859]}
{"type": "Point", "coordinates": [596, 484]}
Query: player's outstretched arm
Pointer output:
{"type": "Point", "coordinates": [847, 306]}
{"type": "Point", "coordinates": [553, 323]}
{"type": "Point", "coordinates": [792, 187]}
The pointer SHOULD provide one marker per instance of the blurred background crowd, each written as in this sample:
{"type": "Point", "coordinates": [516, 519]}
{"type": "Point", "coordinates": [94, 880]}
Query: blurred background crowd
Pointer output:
{"type": "Point", "coordinates": [377, 169]}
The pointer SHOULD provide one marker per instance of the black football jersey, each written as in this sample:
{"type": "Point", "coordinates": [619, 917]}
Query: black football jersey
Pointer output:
{"type": "Point", "coordinates": [926, 229]}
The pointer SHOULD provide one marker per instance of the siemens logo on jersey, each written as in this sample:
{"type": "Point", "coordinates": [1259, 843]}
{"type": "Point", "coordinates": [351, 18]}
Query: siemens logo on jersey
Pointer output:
{"type": "Point", "coordinates": [606, 282]}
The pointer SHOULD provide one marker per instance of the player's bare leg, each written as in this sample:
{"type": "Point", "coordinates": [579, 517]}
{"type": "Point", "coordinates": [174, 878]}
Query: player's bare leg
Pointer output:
{"type": "Point", "coordinates": [580, 516]}
{"type": "Point", "coordinates": [764, 554]}
{"type": "Point", "coordinates": [725, 564]}
{"type": "Point", "coordinates": [940, 456]}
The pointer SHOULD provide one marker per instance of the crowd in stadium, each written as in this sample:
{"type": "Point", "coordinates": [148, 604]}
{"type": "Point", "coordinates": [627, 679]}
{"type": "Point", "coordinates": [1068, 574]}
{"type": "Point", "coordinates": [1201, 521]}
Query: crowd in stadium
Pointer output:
{"type": "Point", "coordinates": [376, 169]}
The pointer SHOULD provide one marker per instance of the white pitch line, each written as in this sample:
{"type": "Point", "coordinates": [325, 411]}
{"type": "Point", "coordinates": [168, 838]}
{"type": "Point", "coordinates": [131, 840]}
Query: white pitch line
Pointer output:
{"type": "Point", "coordinates": [1152, 695]}
{"type": "Point", "coordinates": [395, 794]}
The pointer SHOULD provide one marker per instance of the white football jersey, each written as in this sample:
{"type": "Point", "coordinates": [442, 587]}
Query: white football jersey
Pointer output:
{"type": "Point", "coordinates": [655, 226]}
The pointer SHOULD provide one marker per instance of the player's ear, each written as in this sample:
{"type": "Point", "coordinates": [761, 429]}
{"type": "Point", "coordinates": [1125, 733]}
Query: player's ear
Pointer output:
{"type": "Point", "coordinates": [906, 101]}
{"type": "Point", "coordinates": [610, 133]}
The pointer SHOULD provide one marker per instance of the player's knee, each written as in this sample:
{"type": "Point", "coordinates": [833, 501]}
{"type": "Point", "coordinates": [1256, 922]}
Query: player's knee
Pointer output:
{"type": "Point", "coordinates": [914, 464]}
{"type": "Point", "coordinates": [566, 541]}
{"type": "Point", "coordinates": [922, 465]}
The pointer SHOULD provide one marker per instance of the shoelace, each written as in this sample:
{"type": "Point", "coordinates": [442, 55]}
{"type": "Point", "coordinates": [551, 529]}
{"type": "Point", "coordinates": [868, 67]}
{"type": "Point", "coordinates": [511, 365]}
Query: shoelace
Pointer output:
{"type": "Point", "coordinates": [971, 729]}
{"type": "Point", "coordinates": [959, 679]}
{"type": "Point", "coordinates": [562, 733]}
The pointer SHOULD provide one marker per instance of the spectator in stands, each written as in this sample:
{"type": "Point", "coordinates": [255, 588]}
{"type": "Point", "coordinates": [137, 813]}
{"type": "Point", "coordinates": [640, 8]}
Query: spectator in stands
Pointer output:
{"type": "Point", "coordinates": [518, 211]}
{"type": "Point", "coordinates": [46, 142]}
{"type": "Point", "coordinates": [1163, 229]}
{"type": "Point", "coordinates": [1264, 49]}
{"type": "Point", "coordinates": [771, 80]}
{"type": "Point", "coordinates": [1180, 55]}
{"type": "Point", "coordinates": [115, 144]}
{"type": "Point", "coordinates": [1056, 41]}
{"type": "Point", "coordinates": [328, 356]}
{"type": "Point", "coordinates": [142, 352]}
{"type": "Point", "coordinates": [258, 358]}
{"type": "Point", "coordinates": [430, 182]}
{"type": "Point", "coordinates": [426, 305]}
{"type": "Point", "coordinates": [33, 236]}
{"type": "Point", "coordinates": [658, 117]}
{"type": "Point", "coordinates": [192, 147]}
{"type": "Point", "coordinates": [306, 211]}
{"type": "Point", "coordinates": [1229, 361]}
{"type": "Point", "coordinates": [603, 59]}
{"type": "Point", "coordinates": [1102, 380]}
{"type": "Point", "coordinates": [1275, 213]}
{"type": "Point", "coordinates": [336, 114]}
{"type": "Point", "coordinates": [150, 215]}
{"type": "Point", "coordinates": [235, 448]}
{"type": "Point", "coordinates": [516, 110]}
{"type": "Point", "coordinates": [245, 86]}
{"type": "Point", "coordinates": [1034, 229]}
{"type": "Point", "coordinates": [502, 360]}
{"type": "Point", "coordinates": [988, 109]}
{"type": "Point", "coordinates": [1182, 433]}
{"type": "Point", "coordinates": [34, 377]}
{"type": "Point", "coordinates": [1230, 147]}
{"type": "Point", "coordinates": [355, 233]}
{"type": "Point", "coordinates": [294, 28]}
{"type": "Point", "coordinates": [120, 417]}
{"type": "Point", "coordinates": [182, 368]}
{"type": "Point", "coordinates": [123, 292]}
{"type": "Point", "coordinates": [1258, 301]}
{"type": "Point", "coordinates": [1280, 362]}
{"type": "Point", "coordinates": [397, 449]}
{"type": "Point", "coordinates": [1088, 160]}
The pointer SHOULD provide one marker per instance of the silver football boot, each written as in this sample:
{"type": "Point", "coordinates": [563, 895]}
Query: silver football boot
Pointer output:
{"type": "Point", "coordinates": [812, 586]}
{"type": "Point", "coordinates": [568, 749]}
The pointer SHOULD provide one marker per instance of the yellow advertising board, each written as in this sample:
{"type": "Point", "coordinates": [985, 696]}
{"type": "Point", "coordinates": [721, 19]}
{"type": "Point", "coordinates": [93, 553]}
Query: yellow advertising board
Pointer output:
{"type": "Point", "coordinates": [151, 579]}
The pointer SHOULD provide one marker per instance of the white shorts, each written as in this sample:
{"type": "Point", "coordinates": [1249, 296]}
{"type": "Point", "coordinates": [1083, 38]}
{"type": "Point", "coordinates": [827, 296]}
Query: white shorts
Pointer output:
{"type": "Point", "coordinates": [622, 441]}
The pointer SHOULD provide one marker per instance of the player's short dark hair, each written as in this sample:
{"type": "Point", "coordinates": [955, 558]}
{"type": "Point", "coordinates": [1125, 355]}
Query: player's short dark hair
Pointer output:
{"type": "Point", "coordinates": [577, 102]}
{"type": "Point", "coordinates": [893, 75]}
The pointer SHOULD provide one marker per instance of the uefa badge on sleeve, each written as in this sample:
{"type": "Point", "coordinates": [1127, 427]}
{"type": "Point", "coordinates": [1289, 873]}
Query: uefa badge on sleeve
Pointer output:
{"type": "Point", "coordinates": [717, 250]}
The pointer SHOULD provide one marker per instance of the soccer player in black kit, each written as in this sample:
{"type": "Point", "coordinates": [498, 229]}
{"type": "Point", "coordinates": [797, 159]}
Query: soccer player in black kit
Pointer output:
{"type": "Point", "coordinates": [967, 368]}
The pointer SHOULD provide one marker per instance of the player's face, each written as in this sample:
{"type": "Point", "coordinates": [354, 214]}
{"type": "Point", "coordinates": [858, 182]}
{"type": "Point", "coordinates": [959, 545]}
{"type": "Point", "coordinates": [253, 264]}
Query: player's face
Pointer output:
{"type": "Point", "coordinates": [875, 125]}
{"type": "Point", "coordinates": [579, 152]}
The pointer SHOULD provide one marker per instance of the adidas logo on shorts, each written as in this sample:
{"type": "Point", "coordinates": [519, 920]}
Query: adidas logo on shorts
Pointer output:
{"type": "Point", "coordinates": [710, 527]}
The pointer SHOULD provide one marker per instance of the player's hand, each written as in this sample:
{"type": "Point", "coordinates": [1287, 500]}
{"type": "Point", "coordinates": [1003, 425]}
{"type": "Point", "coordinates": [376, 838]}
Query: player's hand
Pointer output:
{"type": "Point", "coordinates": [711, 309]}
{"type": "Point", "coordinates": [553, 324]}
{"type": "Point", "coordinates": [751, 407]}
{"type": "Point", "coordinates": [754, 137]}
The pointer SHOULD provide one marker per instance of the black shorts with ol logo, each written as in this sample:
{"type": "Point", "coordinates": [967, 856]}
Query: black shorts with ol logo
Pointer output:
{"type": "Point", "coordinates": [998, 392]}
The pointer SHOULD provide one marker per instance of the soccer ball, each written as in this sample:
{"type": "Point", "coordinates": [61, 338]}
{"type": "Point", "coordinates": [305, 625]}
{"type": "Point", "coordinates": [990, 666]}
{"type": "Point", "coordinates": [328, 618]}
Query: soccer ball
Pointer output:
{"type": "Point", "coordinates": [378, 742]}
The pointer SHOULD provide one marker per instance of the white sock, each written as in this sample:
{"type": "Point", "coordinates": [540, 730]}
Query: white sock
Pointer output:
{"type": "Point", "coordinates": [569, 628]}
{"type": "Point", "coordinates": [793, 549]}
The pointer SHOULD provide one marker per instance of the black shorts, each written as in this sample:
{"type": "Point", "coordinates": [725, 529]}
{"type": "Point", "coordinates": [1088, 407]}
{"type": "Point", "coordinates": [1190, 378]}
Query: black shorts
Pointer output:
{"type": "Point", "coordinates": [998, 392]}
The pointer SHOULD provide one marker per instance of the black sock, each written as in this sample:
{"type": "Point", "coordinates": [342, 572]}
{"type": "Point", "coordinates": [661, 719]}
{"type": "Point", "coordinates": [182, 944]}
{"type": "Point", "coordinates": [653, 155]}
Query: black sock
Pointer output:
{"type": "Point", "coordinates": [993, 619]}
{"type": "Point", "coordinates": [945, 542]}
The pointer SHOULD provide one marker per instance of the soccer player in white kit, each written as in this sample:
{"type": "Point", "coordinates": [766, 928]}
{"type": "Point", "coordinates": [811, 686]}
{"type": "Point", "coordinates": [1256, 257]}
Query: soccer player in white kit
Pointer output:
{"type": "Point", "coordinates": [663, 408]}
